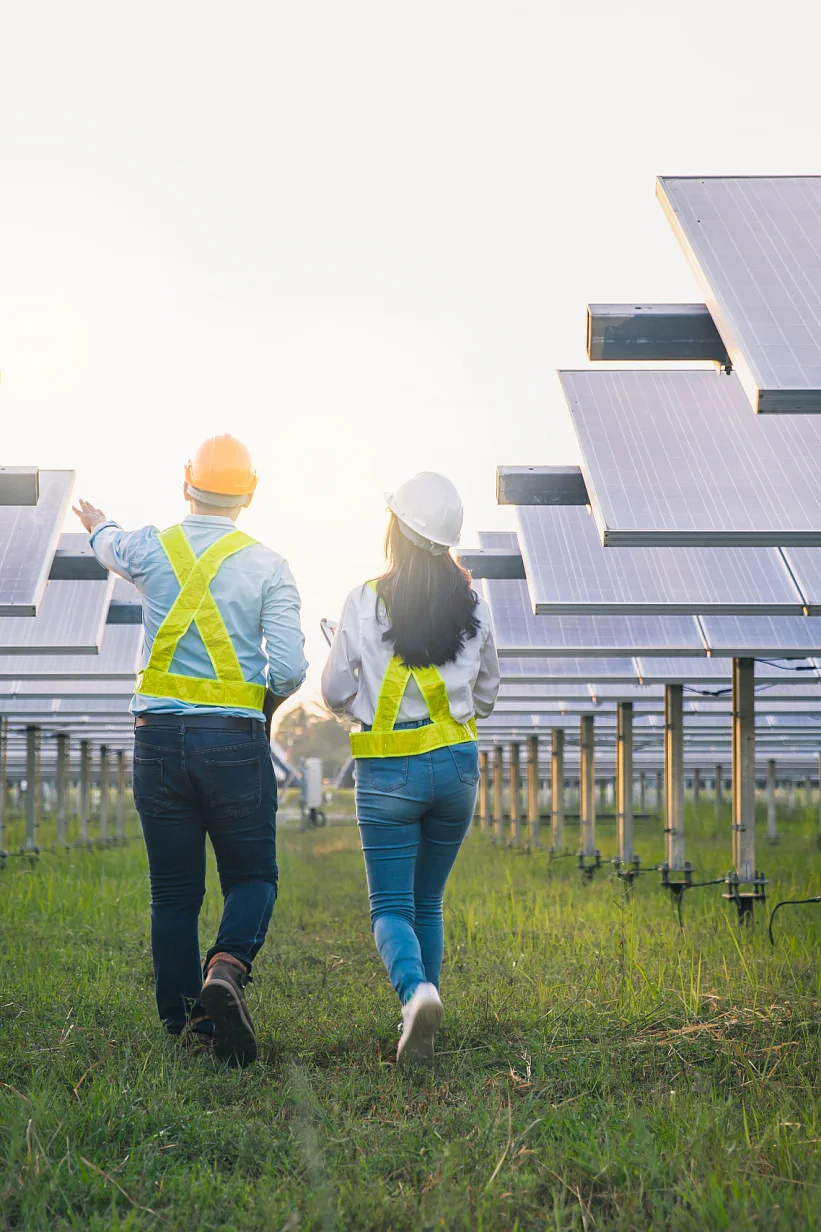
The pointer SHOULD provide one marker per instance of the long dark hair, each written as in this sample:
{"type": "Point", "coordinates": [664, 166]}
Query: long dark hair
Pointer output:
{"type": "Point", "coordinates": [428, 602]}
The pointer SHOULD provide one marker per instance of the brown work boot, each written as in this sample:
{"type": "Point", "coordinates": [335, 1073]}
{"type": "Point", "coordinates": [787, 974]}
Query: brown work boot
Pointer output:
{"type": "Point", "coordinates": [223, 1000]}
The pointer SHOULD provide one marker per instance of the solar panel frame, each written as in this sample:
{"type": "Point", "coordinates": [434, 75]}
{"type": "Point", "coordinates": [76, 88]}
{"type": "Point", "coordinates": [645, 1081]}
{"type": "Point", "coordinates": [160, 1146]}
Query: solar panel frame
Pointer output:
{"type": "Point", "coordinates": [29, 535]}
{"type": "Point", "coordinates": [675, 459]}
{"type": "Point", "coordinates": [70, 620]}
{"type": "Point", "coordinates": [555, 671]}
{"type": "Point", "coordinates": [569, 571]}
{"type": "Point", "coordinates": [119, 658]}
{"type": "Point", "coordinates": [757, 637]}
{"type": "Point", "coordinates": [754, 244]}
{"type": "Point", "coordinates": [521, 634]}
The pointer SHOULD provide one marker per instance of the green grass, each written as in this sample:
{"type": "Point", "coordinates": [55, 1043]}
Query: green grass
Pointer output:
{"type": "Point", "coordinates": [597, 1068]}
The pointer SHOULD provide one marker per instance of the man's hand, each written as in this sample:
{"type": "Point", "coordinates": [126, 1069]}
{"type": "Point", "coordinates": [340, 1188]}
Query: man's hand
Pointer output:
{"type": "Point", "coordinates": [89, 515]}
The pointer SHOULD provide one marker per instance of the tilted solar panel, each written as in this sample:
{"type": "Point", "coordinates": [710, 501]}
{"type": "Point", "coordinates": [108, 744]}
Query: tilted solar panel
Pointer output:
{"type": "Point", "coordinates": [754, 243]}
{"type": "Point", "coordinates": [772, 637]}
{"type": "Point", "coordinates": [519, 633]}
{"type": "Point", "coordinates": [118, 658]}
{"type": "Point", "coordinates": [568, 571]}
{"type": "Point", "coordinates": [28, 539]}
{"type": "Point", "coordinates": [70, 620]}
{"type": "Point", "coordinates": [717, 672]}
{"type": "Point", "coordinates": [552, 671]}
{"type": "Point", "coordinates": [676, 459]}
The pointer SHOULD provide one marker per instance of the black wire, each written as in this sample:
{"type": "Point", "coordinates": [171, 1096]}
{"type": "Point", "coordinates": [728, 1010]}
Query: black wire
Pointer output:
{"type": "Point", "coordinates": [788, 902]}
{"type": "Point", "coordinates": [805, 667]}
{"type": "Point", "coordinates": [689, 688]}
{"type": "Point", "coordinates": [696, 885]}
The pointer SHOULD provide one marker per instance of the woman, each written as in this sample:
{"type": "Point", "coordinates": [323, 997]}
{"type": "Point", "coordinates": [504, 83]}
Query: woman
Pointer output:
{"type": "Point", "coordinates": [414, 662]}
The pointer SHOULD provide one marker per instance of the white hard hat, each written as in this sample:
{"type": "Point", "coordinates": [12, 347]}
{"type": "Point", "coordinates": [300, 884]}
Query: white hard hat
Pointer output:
{"type": "Point", "coordinates": [430, 505]}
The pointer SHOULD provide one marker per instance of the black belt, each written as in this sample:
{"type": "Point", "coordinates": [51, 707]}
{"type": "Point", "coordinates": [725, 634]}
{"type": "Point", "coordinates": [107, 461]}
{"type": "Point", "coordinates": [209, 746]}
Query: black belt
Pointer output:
{"type": "Point", "coordinates": [219, 722]}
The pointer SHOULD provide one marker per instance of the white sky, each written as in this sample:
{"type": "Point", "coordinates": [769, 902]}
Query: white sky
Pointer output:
{"type": "Point", "coordinates": [361, 236]}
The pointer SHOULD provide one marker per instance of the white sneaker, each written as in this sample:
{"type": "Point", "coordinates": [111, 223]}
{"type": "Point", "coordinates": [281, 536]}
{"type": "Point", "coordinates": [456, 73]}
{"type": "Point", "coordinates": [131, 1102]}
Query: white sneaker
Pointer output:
{"type": "Point", "coordinates": [421, 1019]}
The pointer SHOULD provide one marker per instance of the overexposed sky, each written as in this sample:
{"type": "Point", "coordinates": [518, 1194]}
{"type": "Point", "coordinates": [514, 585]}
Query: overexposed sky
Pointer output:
{"type": "Point", "coordinates": [361, 236]}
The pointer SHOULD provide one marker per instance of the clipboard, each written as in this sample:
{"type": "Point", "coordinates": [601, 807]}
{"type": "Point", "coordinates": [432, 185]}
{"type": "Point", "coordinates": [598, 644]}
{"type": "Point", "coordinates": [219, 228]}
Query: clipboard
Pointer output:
{"type": "Point", "coordinates": [328, 628]}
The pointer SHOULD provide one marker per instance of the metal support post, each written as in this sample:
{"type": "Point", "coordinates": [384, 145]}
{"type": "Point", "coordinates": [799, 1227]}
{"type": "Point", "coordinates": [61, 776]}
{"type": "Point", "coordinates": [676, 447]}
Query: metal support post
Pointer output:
{"type": "Point", "coordinates": [718, 775]}
{"type": "Point", "coordinates": [85, 790]}
{"type": "Point", "coordinates": [557, 790]}
{"type": "Point", "coordinates": [498, 793]}
{"type": "Point", "coordinates": [624, 781]}
{"type": "Point", "coordinates": [674, 775]}
{"type": "Point", "coordinates": [515, 793]}
{"type": "Point", "coordinates": [772, 824]}
{"type": "Point", "coordinates": [696, 789]}
{"type": "Point", "coordinates": [642, 792]}
{"type": "Point", "coordinates": [62, 788]}
{"type": "Point", "coordinates": [533, 791]}
{"type": "Point", "coordinates": [104, 784]}
{"type": "Point", "coordinates": [32, 788]}
{"type": "Point", "coordinates": [484, 784]}
{"type": "Point", "coordinates": [660, 804]}
{"type": "Point", "coordinates": [587, 798]}
{"type": "Point", "coordinates": [743, 743]}
{"type": "Point", "coordinates": [4, 733]}
{"type": "Point", "coordinates": [121, 795]}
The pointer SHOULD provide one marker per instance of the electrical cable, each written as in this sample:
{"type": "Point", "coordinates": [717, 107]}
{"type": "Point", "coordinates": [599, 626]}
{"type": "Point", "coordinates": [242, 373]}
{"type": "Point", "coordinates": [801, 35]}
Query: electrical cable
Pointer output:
{"type": "Point", "coordinates": [788, 902]}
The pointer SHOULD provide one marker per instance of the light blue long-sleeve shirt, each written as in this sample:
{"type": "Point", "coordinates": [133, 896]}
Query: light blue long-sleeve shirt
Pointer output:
{"type": "Point", "coordinates": [253, 589]}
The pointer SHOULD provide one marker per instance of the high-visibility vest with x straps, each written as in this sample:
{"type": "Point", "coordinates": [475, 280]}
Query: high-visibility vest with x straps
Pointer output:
{"type": "Point", "coordinates": [384, 741]}
{"type": "Point", "coordinates": [196, 605]}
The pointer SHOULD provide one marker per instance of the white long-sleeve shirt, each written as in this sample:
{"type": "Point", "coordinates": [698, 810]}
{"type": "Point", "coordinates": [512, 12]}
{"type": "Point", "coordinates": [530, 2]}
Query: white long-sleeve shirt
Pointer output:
{"type": "Point", "coordinates": [359, 659]}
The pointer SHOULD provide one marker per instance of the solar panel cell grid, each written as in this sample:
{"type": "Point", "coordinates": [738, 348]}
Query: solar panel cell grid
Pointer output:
{"type": "Point", "coordinates": [70, 620]}
{"type": "Point", "coordinates": [28, 539]}
{"type": "Point", "coordinates": [676, 459]}
{"type": "Point", "coordinates": [755, 246]}
{"type": "Point", "coordinates": [118, 658]}
{"type": "Point", "coordinates": [568, 570]}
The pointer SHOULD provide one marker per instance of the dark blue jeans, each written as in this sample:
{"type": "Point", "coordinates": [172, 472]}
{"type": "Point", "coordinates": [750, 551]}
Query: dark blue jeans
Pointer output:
{"type": "Point", "coordinates": [413, 814]}
{"type": "Point", "coordinates": [189, 783]}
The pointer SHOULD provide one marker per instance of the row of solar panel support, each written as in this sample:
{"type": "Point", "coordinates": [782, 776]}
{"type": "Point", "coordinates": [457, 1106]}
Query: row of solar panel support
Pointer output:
{"type": "Point", "coordinates": [745, 872]}
{"type": "Point", "coordinates": [111, 772]}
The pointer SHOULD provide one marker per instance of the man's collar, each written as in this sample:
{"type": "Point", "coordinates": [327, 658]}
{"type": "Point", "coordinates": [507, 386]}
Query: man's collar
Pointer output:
{"type": "Point", "coordinates": [206, 519]}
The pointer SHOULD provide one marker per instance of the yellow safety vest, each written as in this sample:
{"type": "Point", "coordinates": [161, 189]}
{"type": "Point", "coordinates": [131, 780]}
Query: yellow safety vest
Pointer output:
{"type": "Point", "coordinates": [383, 741]}
{"type": "Point", "coordinates": [195, 605]}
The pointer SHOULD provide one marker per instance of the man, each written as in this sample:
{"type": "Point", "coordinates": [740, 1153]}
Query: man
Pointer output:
{"type": "Point", "coordinates": [224, 648]}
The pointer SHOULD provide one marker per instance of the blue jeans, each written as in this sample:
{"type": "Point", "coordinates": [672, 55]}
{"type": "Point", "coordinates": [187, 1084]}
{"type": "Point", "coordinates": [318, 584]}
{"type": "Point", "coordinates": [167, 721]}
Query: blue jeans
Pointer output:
{"type": "Point", "coordinates": [413, 814]}
{"type": "Point", "coordinates": [189, 783]}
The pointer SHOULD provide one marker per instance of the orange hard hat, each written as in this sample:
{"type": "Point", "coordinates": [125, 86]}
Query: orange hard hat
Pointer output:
{"type": "Point", "coordinates": [222, 464]}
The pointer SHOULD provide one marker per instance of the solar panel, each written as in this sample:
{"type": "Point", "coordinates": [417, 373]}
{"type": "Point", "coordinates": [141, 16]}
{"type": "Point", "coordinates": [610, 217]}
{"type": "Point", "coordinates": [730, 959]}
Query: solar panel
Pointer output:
{"type": "Point", "coordinates": [676, 459]}
{"type": "Point", "coordinates": [713, 673]}
{"type": "Point", "coordinates": [70, 620]}
{"type": "Point", "coordinates": [554, 671]}
{"type": "Point", "coordinates": [805, 566]}
{"type": "Point", "coordinates": [28, 539]}
{"type": "Point", "coordinates": [90, 687]}
{"type": "Point", "coordinates": [568, 571]}
{"type": "Point", "coordinates": [545, 692]}
{"type": "Point", "coordinates": [118, 658]}
{"type": "Point", "coordinates": [519, 633]}
{"type": "Point", "coordinates": [72, 706]}
{"type": "Point", "coordinates": [754, 243]}
{"type": "Point", "coordinates": [772, 637]}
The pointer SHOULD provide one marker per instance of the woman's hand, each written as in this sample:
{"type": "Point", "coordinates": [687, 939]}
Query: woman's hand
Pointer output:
{"type": "Point", "coordinates": [90, 516]}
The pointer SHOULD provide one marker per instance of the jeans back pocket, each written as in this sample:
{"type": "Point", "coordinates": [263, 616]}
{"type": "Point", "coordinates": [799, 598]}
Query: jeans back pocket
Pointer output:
{"type": "Point", "coordinates": [149, 786]}
{"type": "Point", "coordinates": [466, 759]}
{"type": "Point", "coordinates": [386, 773]}
{"type": "Point", "coordinates": [234, 785]}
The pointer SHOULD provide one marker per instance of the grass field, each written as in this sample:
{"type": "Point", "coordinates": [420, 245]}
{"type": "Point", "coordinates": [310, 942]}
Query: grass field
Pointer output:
{"type": "Point", "coordinates": [597, 1069]}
